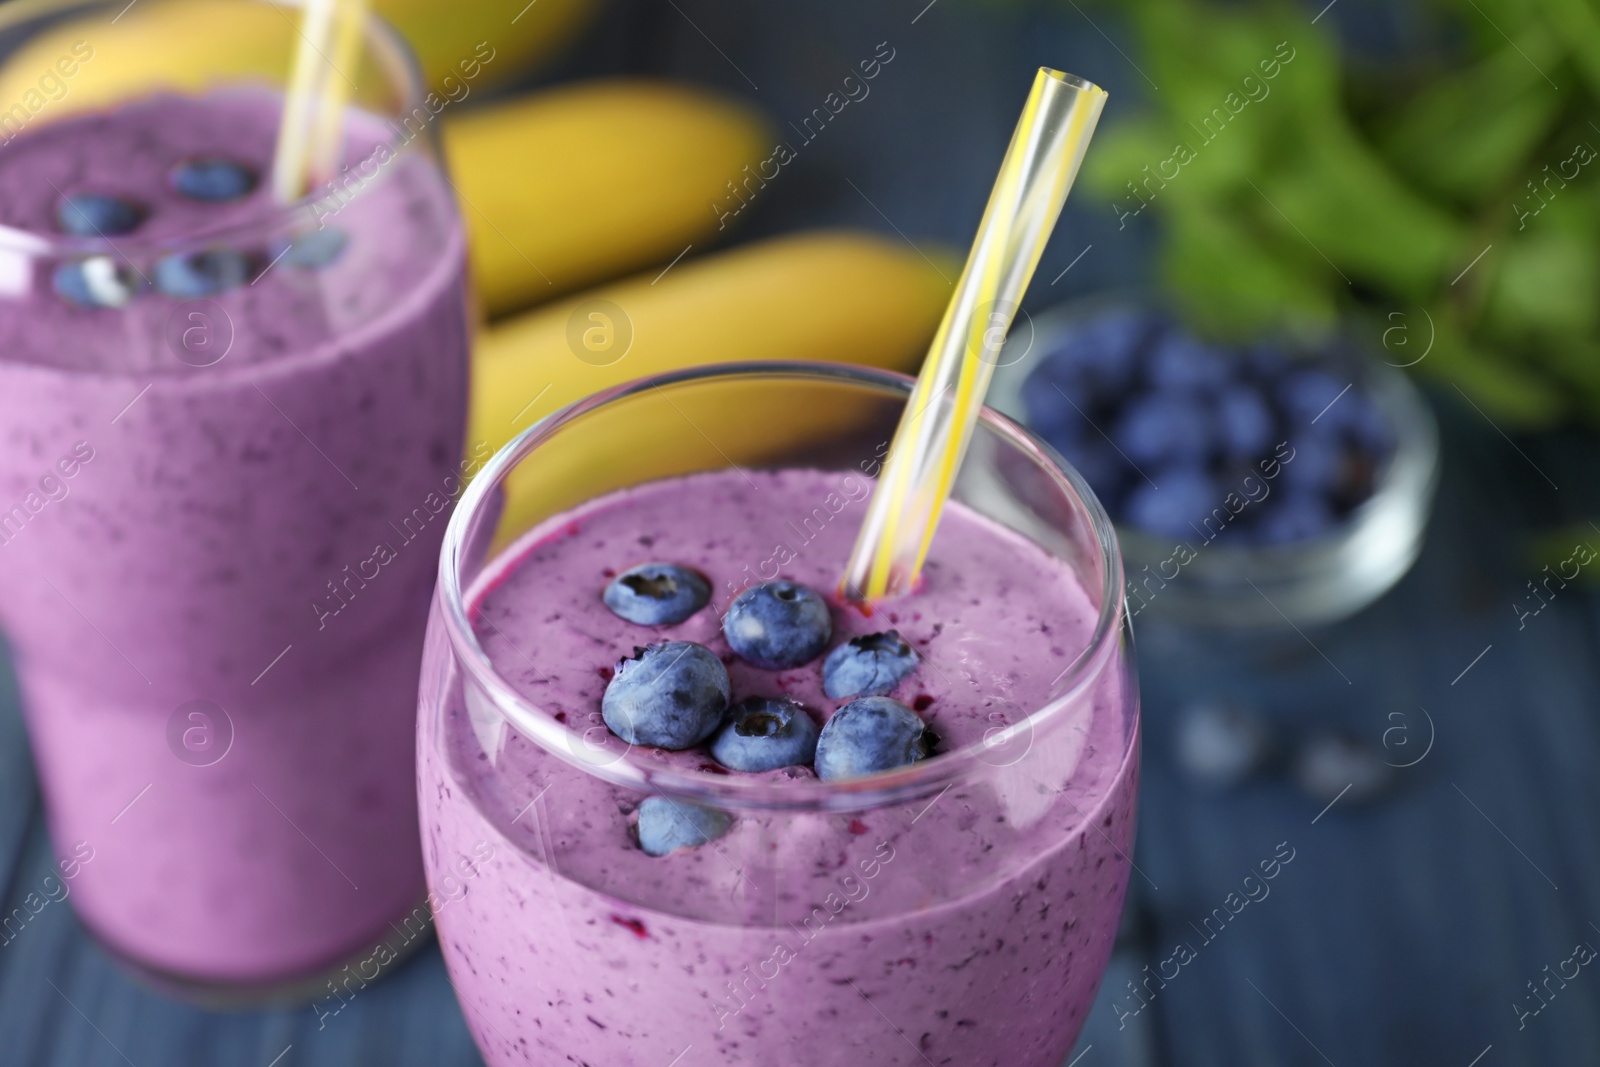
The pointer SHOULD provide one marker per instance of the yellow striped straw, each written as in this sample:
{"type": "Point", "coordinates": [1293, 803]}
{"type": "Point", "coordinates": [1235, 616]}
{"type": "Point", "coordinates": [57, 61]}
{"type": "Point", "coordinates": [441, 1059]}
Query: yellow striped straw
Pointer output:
{"type": "Point", "coordinates": [310, 138]}
{"type": "Point", "coordinates": [939, 417]}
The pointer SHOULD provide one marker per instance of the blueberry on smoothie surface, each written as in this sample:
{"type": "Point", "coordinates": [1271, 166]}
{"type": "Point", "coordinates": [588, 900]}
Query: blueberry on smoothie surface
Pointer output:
{"type": "Point", "coordinates": [94, 215]}
{"type": "Point", "coordinates": [311, 250]}
{"type": "Point", "coordinates": [764, 734]}
{"type": "Point", "coordinates": [657, 594]}
{"type": "Point", "coordinates": [778, 625]}
{"type": "Point", "coordinates": [190, 275]}
{"type": "Point", "coordinates": [869, 665]}
{"type": "Point", "coordinates": [212, 179]}
{"type": "Point", "coordinates": [95, 282]}
{"type": "Point", "coordinates": [869, 735]}
{"type": "Point", "coordinates": [668, 825]}
{"type": "Point", "coordinates": [668, 695]}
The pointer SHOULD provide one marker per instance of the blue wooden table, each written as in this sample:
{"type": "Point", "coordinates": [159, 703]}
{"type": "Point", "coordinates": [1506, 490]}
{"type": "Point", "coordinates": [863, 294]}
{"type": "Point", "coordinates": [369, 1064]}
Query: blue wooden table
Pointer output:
{"type": "Point", "coordinates": [1402, 932]}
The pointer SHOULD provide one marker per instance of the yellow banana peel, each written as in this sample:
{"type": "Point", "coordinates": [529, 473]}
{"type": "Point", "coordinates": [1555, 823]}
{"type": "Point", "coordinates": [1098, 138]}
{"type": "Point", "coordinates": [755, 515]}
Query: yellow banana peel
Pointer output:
{"type": "Point", "coordinates": [190, 45]}
{"type": "Point", "coordinates": [580, 183]}
{"type": "Point", "coordinates": [830, 296]}
{"type": "Point", "coordinates": [444, 34]}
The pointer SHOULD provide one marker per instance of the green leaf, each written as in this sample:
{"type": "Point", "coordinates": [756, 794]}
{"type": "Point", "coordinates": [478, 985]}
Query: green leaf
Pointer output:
{"type": "Point", "coordinates": [1516, 397]}
{"type": "Point", "coordinates": [1580, 29]}
{"type": "Point", "coordinates": [1229, 284]}
{"type": "Point", "coordinates": [1544, 282]}
{"type": "Point", "coordinates": [1337, 196]}
{"type": "Point", "coordinates": [1559, 549]}
{"type": "Point", "coordinates": [1470, 133]}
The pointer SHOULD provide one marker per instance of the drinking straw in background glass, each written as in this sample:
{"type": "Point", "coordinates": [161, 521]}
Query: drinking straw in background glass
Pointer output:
{"type": "Point", "coordinates": [1038, 170]}
{"type": "Point", "coordinates": [320, 83]}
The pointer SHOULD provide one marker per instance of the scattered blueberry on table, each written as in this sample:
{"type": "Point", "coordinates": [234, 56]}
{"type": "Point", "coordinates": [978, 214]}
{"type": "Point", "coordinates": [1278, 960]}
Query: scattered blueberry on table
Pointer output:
{"type": "Point", "coordinates": [1165, 427]}
{"type": "Point", "coordinates": [764, 734]}
{"type": "Point", "coordinates": [1222, 745]}
{"type": "Point", "coordinates": [1331, 767]}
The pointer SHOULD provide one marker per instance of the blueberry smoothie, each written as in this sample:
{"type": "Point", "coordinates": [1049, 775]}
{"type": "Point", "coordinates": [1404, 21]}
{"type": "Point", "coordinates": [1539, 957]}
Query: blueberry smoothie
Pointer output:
{"type": "Point", "coordinates": [230, 441]}
{"type": "Point", "coordinates": [660, 625]}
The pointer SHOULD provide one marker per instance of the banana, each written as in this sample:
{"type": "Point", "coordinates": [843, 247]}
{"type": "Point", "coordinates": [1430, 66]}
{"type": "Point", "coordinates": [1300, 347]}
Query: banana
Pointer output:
{"type": "Point", "coordinates": [189, 45]}
{"type": "Point", "coordinates": [835, 296]}
{"type": "Point", "coordinates": [580, 183]}
{"type": "Point", "coordinates": [445, 34]}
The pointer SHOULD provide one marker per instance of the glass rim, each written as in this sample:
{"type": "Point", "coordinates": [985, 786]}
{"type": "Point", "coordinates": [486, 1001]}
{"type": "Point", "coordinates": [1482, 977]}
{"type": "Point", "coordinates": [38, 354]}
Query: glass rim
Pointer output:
{"type": "Point", "coordinates": [394, 56]}
{"type": "Point", "coordinates": [919, 779]}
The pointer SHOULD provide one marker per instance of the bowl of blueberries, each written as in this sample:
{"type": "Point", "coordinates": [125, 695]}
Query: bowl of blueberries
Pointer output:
{"type": "Point", "coordinates": [1257, 485]}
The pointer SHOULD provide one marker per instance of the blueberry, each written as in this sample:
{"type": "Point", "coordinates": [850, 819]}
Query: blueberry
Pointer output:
{"type": "Point", "coordinates": [869, 735]}
{"type": "Point", "coordinates": [1049, 411]}
{"type": "Point", "coordinates": [1180, 506]}
{"type": "Point", "coordinates": [1162, 427]}
{"type": "Point", "coordinates": [778, 624]}
{"type": "Point", "coordinates": [93, 215]}
{"type": "Point", "coordinates": [1244, 422]}
{"type": "Point", "coordinates": [869, 665]}
{"type": "Point", "coordinates": [1294, 517]}
{"type": "Point", "coordinates": [213, 180]}
{"type": "Point", "coordinates": [764, 733]}
{"type": "Point", "coordinates": [1318, 460]}
{"type": "Point", "coordinates": [1102, 351]}
{"type": "Point", "coordinates": [668, 825]}
{"type": "Point", "coordinates": [1221, 745]}
{"type": "Point", "coordinates": [1099, 463]}
{"type": "Point", "coordinates": [1329, 764]}
{"type": "Point", "coordinates": [657, 594]}
{"type": "Point", "coordinates": [1266, 361]}
{"type": "Point", "coordinates": [669, 695]}
{"type": "Point", "coordinates": [1367, 424]}
{"type": "Point", "coordinates": [1180, 362]}
{"type": "Point", "coordinates": [190, 275]}
{"type": "Point", "coordinates": [1309, 394]}
{"type": "Point", "coordinates": [312, 249]}
{"type": "Point", "coordinates": [95, 282]}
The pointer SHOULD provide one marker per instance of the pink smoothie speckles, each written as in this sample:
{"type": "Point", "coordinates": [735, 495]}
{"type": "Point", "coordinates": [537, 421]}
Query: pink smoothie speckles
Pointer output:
{"type": "Point", "coordinates": [210, 542]}
{"type": "Point", "coordinates": [968, 926]}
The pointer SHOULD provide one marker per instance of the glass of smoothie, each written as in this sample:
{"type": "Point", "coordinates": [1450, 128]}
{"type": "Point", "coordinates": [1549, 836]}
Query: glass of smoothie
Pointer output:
{"type": "Point", "coordinates": [232, 430]}
{"type": "Point", "coordinates": [682, 802]}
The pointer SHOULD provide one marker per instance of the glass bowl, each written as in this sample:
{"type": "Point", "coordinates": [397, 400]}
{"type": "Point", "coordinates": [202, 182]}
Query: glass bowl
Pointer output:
{"type": "Point", "coordinates": [1214, 584]}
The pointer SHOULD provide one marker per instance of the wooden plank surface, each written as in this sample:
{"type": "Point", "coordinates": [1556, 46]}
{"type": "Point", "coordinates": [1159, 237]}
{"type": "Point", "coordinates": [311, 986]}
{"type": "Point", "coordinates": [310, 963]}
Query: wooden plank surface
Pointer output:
{"type": "Point", "coordinates": [1400, 933]}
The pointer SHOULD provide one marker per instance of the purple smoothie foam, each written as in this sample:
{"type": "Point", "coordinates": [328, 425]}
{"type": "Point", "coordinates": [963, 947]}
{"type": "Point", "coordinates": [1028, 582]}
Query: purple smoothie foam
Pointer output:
{"type": "Point", "coordinates": [975, 922]}
{"type": "Point", "coordinates": [259, 535]}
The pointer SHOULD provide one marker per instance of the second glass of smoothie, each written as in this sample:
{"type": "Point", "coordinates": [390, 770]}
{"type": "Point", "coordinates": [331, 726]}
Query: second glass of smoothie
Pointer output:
{"type": "Point", "coordinates": [957, 909]}
{"type": "Point", "coordinates": [232, 433]}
